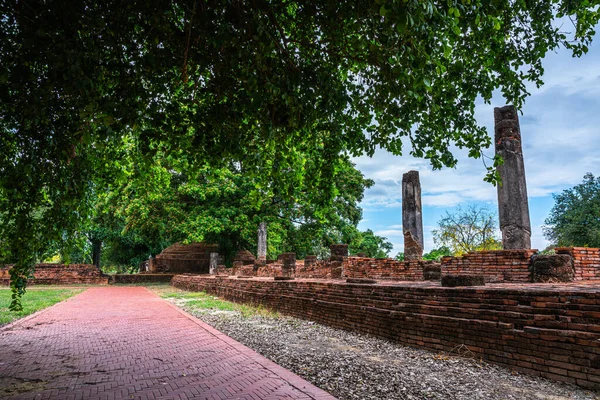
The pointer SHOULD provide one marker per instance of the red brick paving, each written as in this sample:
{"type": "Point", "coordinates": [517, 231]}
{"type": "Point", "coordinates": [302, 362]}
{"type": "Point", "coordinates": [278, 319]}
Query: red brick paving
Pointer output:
{"type": "Point", "coordinates": [127, 343]}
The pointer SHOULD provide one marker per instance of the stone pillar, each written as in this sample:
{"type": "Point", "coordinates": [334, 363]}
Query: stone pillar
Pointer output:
{"type": "Point", "coordinates": [513, 207]}
{"type": "Point", "coordinates": [412, 218]}
{"type": "Point", "coordinates": [214, 262]}
{"type": "Point", "coordinates": [262, 242]}
{"type": "Point", "coordinates": [288, 264]}
{"type": "Point", "coordinates": [338, 252]}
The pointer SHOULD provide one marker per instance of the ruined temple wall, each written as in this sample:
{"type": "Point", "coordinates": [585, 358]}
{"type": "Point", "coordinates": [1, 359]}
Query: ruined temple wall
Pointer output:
{"type": "Point", "coordinates": [550, 332]}
{"type": "Point", "coordinates": [494, 265]}
{"type": "Point", "coordinates": [586, 261]}
{"type": "Point", "coordinates": [384, 268]}
{"type": "Point", "coordinates": [346, 267]}
{"type": "Point", "coordinates": [60, 274]}
{"type": "Point", "coordinates": [323, 269]}
{"type": "Point", "coordinates": [184, 258]}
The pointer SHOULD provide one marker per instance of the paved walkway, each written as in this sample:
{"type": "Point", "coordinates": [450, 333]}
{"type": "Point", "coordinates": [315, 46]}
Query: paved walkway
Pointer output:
{"type": "Point", "coordinates": [127, 343]}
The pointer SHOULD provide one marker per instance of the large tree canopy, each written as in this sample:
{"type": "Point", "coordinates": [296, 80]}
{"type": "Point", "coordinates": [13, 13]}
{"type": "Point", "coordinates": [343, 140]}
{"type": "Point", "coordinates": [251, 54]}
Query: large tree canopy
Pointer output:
{"type": "Point", "coordinates": [229, 80]}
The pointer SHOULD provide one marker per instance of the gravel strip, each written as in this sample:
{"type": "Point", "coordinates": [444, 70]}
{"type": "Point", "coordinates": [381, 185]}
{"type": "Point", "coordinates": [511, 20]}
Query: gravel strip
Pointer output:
{"type": "Point", "coordinates": [353, 366]}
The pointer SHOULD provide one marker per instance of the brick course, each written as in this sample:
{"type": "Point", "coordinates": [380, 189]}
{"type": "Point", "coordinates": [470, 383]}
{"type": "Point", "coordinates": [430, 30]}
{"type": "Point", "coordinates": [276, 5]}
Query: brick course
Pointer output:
{"type": "Point", "coordinates": [551, 331]}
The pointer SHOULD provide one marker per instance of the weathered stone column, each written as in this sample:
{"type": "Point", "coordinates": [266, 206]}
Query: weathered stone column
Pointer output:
{"type": "Point", "coordinates": [262, 242]}
{"type": "Point", "coordinates": [513, 207]}
{"type": "Point", "coordinates": [412, 218]}
{"type": "Point", "coordinates": [214, 262]}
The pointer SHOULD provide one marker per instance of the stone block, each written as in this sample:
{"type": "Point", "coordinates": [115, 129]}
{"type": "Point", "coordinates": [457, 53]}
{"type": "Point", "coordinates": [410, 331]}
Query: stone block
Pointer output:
{"type": "Point", "coordinates": [432, 272]}
{"type": "Point", "coordinates": [310, 260]}
{"type": "Point", "coordinates": [338, 252]}
{"type": "Point", "coordinates": [553, 268]}
{"type": "Point", "coordinates": [288, 263]}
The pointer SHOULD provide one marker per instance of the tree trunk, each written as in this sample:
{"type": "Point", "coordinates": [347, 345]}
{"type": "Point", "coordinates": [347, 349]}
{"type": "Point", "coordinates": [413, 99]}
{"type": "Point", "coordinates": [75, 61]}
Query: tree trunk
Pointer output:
{"type": "Point", "coordinates": [96, 251]}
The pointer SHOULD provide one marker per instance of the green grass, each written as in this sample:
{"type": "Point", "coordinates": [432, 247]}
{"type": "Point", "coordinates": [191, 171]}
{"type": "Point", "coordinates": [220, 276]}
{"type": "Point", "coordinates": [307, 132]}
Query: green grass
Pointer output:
{"type": "Point", "coordinates": [35, 299]}
{"type": "Point", "coordinates": [201, 302]}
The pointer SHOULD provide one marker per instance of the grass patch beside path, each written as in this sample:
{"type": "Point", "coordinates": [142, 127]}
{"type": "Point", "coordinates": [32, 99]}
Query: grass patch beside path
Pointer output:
{"type": "Point", "coordinates": [204, 303]}
{"type": "Point", "coordinates": [35, 299]}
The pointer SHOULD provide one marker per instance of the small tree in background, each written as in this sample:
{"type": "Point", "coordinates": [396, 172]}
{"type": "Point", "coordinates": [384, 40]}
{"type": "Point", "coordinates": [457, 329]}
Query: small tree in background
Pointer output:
{"type": "Point", "coordinates": [468, 229]}
{"type": "Point", "coordinates": [437, 254]}
{"type": "Point", "coordinates": [370, 244]}
{"type": "Point", "coordinates": [575, 218]}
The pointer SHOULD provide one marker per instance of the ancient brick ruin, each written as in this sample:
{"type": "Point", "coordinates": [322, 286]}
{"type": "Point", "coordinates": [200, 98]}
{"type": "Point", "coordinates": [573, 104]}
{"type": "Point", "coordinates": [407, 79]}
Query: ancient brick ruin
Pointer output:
{"type": "Point", "coordinates": [550, 331]}
{"type": "Point", "coordinates": [61, 274]}
{"type": "Point", "coordinates": [494, 266]}
{"type": "Point", "coordinates": [546, 330]}
{"type": "Point", "coordinates": [183, 258]}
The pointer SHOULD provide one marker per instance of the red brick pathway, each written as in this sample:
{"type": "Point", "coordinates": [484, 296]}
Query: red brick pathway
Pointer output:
{"type": "Point", "coordinates": [127, 343]}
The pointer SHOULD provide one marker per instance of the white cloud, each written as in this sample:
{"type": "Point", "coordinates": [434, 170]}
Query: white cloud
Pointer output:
{"type": "Point", "coordinates": [390, 233]}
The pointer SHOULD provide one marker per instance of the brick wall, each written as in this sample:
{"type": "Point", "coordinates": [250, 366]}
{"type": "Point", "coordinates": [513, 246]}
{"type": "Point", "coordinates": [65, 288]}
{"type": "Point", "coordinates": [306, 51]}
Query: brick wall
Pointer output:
{"type": "Point", "coordinates": [348, 267]}
{"type": "Point", "coordinates": [386, 268]}
{"type": "Point", "coordinates": [551, 332]}
{"type": "Point", "coordinates": [494, 265]}
{"type": "Point", "coordinates": [324, 269]}
{"type": "Point", "coordinates": [586, 261]}
{"type": "Point", "coordinates": [60, 274]}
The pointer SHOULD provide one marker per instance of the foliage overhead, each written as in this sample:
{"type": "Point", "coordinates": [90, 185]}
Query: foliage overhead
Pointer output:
{"type": "Point", "coordinates": [575, 218]}
{"type": "Point", "coordinates": [216, 81]}
{"type": "Point", "coordinates": [470, 229]}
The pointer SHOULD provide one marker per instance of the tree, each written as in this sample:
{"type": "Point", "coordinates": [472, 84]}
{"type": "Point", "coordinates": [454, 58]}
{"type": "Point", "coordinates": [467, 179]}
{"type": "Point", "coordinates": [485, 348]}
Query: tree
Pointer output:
{"type": "Point", "coordinates": [214, 82]}
{"type": "Point", "coordinates": [370, 244]}
{"type": "Point", "coordinates": [575, 217]}
{"type": "Point", "coordinates": [399, 256]}
{"type": "Point", "coordinates": [470, 229]}
{"type": "Point", "coordinates": [437, 254]}
{"type": "Point", "coordinates": [165, 202]}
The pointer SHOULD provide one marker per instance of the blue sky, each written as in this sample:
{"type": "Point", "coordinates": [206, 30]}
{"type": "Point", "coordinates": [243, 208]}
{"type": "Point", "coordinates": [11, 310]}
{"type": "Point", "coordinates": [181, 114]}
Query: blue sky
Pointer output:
{"type": "Point", "coordinates": [560, 129]}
